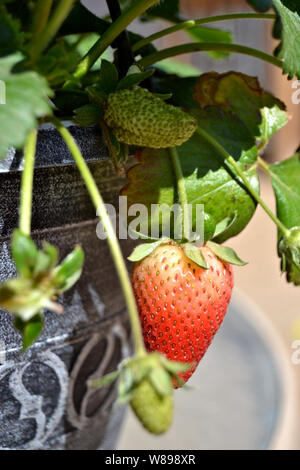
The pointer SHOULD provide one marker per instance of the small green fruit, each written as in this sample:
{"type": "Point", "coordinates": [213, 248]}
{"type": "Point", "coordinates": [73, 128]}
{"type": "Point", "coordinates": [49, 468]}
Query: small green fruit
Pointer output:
{"type": "Point", "coordinates": [138, 117]}
{"type": "Point", "coordinates": [153, 410]}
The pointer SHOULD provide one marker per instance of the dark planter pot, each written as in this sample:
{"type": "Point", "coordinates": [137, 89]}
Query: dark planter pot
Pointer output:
{"type": "Point", "coordinates": [45, 403]}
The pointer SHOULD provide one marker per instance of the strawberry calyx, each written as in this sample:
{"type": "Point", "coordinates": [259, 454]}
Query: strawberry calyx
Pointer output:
{"type": "Point", "coordinates": [191, 249]}
{"type": "Point", "coordinates": [153, 367]}
{"type": "Point", "coordinates": [289, 250]}
{"type": "Point", "coordinates": [146, 382]}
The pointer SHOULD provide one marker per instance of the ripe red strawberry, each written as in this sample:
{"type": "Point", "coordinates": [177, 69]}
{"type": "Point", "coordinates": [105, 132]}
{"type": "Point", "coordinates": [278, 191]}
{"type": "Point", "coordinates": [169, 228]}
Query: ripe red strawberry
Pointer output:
{"type": "Point", "coordinates": [181, 305]}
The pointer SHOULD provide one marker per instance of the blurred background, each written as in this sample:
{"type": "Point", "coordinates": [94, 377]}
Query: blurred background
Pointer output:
{"type": "Point", "coordinates": [223, 410]}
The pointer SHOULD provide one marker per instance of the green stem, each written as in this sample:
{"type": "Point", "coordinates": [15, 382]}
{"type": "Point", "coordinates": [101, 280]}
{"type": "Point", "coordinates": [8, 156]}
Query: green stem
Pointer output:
{"type": "Point", "coordinates": [110, 146]}
{"type": "Point", "coordinates": [27, 183]}
{"type": "Point", "coordinates": [181, 192]}
{"type": "Point", "coordinates": [138, 7]}
{"type": "Point", "coordinates": [40, 19]}
{"type": "Point", "coordinates": [58, 17]}
{"type": "Point", "coordinates": [264, 166]}
{"type": "Point", "coordinates": [231, 161]}
{"type": "Point", "coordinates": [206, 46]}
{"type": "Point", "coordinates": [191, 23]}
{"type": "Point", "coordinates": [111, 236]}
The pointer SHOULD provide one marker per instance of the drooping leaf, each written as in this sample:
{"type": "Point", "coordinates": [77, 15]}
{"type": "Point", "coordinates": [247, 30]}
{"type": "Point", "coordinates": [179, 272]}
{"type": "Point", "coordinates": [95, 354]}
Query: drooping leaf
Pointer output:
{"type": "Point", "coordinates": [289, 48]}
{"type": "Point", "coordinates": [236, 92]}
{"type": "Point", "coordinates": [26, 100]}
{"type": "Point", "coordinates": [30, 330]}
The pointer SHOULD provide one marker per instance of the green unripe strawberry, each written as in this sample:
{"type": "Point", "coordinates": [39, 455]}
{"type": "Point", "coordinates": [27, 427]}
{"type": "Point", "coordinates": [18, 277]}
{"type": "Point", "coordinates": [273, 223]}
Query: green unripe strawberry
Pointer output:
{"type": "Point", "coordinates": [138, 117]}
{"type": "Point", "coordinates": [153, 410]}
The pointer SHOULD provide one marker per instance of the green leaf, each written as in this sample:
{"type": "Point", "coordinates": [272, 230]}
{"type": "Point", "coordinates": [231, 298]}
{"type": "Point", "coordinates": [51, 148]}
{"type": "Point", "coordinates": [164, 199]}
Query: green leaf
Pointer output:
{"type": "Point", "coordinates": [30, 330]}
{"type": "Point", "coordinates": [134, 79]}
{"type": "Point", "coordinates": [69, 271]}
{"type": "Point", "coordinates": [207, 181]}
{"type": "Point", "coordinates": [231, 108]}
{"type": "Point", "coordinates": [108, 77]}
{"type": "Point", "coordinates": [46, 260]}
{"type": "Point", "coordinates": [195, 255]}
{"type": "Point", "coordinates": [161, 381]}
{"type": "Point", "coordinates": [141, 251]}
{"type": "Point", "coordinates": [88, 115]}
{"type": "Point", "coordinates": [204, 34]}
{"type": "Point", "coordinates": [226, 254]}
{"type": "Point", "coordinates": [289, 49]}
{"type": "Point", "coordinates": [96, 94]}
{"type": "Point", "coordinates": [56, 63]}
{"type": "Point", "coordinates": [68, 100]}
{"type": "Point", "coordinates": [24, 252]}
{"type": "Point", "coordinates": [105, 380]}
{"type": "Point", "coordinates": [285, 178]}
{"type": "Point", "coordinates": [26, 100]}
{"type": "Point", "coordinates": [273, 119]}
{"type": "Point", "coordinates": [286, 184]}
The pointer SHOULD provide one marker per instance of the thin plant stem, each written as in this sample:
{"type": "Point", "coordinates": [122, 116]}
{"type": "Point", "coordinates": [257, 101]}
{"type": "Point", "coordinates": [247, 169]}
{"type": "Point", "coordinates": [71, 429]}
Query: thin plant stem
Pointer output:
{"type": "Point", "coordinates": [111, 148]}
{"type": "Point", "coordinates": [111, 235]}
{"type": "Point", "coordinates": [231, 161]}
{"type": "Point", "coordinates": [264, 166]}
{"type": "Point", "coordinates": [206, 46]}
{"type": "Point", "coordinates": [56, 20]}
{"type": "Point", "coordinates": [191, 23]}
{"type": "Point", "coordinates": [41, 16]}
{"type": "Point", "coordinates": [181, 192]}
{"type": "Point", "coordinates": [137, 8]}
{"type": "Point", "coordinates": [27, 183]}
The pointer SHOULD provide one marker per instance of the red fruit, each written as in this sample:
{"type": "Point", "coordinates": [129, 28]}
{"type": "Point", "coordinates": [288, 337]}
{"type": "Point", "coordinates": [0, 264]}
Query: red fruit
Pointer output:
{"type": "Point", "coordinates": [181, 305]}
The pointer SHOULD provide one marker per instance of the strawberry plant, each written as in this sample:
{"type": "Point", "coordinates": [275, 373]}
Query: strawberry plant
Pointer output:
{"type": "Point", "coordinates": [197, 141]}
